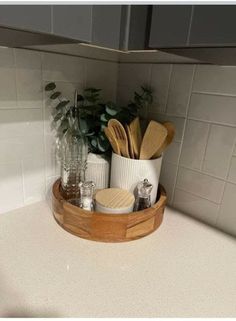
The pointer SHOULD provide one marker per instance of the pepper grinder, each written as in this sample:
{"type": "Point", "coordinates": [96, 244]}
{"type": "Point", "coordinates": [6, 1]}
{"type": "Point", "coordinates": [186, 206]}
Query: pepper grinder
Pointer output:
{"type": "Point", "coordinates": [143, 199]}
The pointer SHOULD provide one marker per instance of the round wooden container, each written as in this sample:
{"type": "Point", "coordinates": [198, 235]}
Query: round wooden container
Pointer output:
{"type": "Point", "coordinates": [106, 227]}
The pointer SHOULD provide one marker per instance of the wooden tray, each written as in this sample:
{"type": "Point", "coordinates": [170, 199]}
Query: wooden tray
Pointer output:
{"type": "Point", "coordinates": [107, 227]}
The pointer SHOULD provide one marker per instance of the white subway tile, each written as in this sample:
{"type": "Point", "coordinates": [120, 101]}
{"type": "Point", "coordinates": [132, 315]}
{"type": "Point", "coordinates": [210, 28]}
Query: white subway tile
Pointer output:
{"type": "Point", "coordinates": [11, 189]}
{"type": "Point", "coordinates": [215, 79]}
{"type": "Point", "coordinates": [103, 75]}
{"type": "Point", "coordinates": [232, 170]}
{"type": "Point", "coordinates": [33, 179]}
{"type": "Point", "coordinates": [18, 148]}
{"type": "Point", "coordinates": [29, 88]}
{"type": "Point", "coordinates": [219, 150]}
{"type": "Point", "coordinates": [179, 91]}
{"type": "Point", "coordinates": [7, 88]}
{"type": "Point", "coordinates": [200, 184]}
{"type": "Point", "coordinates": [57, 67]}
{"type": "Point", "coordinates": [194, 144]}
{"type": "Point", "coordinates": [177, 121]}
{"type": "Point", "coordinates": [227, 217]}
{"type": "Point", "coordinates": [171, 153]}
{"type": "Point", "coordinates": [167, 178]}
{"type": "Point", "coordinates": [195, 206]}
{"type": "Point", "coordinates": [28, 59]}
{"type": "Point", "coordinates": [234, 152]}
{"type": "Point", "coordinates": [160, 79]}
{"type": "Point", "coordinates": [7, 58]}
{"type": "Point", "coordinates": [130, 78]}
{"type": "Point", "coordinates": [22, 122]}
{"type": "Point", "coordinates": [213, 108]}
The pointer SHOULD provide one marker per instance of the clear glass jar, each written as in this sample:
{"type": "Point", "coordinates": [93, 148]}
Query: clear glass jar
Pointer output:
{"type": "Point", "coordinates": [143, 199]}
{"type": "Point", "coordinates": [86, 195]}
{"type": "Point", "coordinates": [73, 152]}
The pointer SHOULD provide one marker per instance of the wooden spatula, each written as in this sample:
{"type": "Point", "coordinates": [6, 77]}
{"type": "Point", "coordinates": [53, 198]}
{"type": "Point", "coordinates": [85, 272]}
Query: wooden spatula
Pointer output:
{"type": "Point", "coordinates": [136, 136]}
{"type": "Point", "coordinates": [120, 135]}
{"type": "Point", "coordinates": [153, 139]}
{"type": "Point", "coordinates": [130, 141]}
{"type": "Point", "coordinates": [169, 138]}
{"type": "Point", "coordinates": [114, 144]}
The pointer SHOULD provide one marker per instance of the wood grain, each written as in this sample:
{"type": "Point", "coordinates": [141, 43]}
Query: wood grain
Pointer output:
{"type": "Point", "coordinates": [107, 227]}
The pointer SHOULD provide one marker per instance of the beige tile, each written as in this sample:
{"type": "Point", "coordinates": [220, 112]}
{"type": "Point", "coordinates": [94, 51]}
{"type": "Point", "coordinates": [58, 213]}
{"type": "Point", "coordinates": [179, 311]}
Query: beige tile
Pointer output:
{"type": "Point", "coordinates": [167, 179]}
{"type": "Point", "coordinates": [213, 108]}
{"type": "Point", "coordinates": [11, 188]}
{"type": "Point", "coordinates": [227, 216]}
{"type": "Point", "coordinates": [200, 184]}
{"type": "Point", "coordinates": [103, 75]}
{"type": "Point", "coordinates": [33, 179]}
{"type": "Point", "coordinates": [177, 121]}
{"type": "Point", "coordinates": [171, 154]}
{"type": "Point", "coordinates": [194, 144]}
{"type": "Point", "coordinates": [28, 59]}
{"type": "Point", "coordinates": [234, 152]}
{"type": "Point", "coordinates": [232, 170]}
{"type": "Point", "coordinates": [29, 88]}
{"type": "Point", "coordinates": [179, 91]}
{"type": "Point", "coordinates": [215, 79]}
{"type": "Point", "coordinates": [7, 58]}
{"type": "Point", "coordinates": [160, 79]}
{"type": "Point", "coordinates": [195, 206]}
{"type": "Point", "coordinates": [24, 122]}
{"type": "Point", "coordinates": [57, 67]}
{"type": "Point", "coordinates": [219, 150]}
{"type": "Point", "coordinates": [7, 88]}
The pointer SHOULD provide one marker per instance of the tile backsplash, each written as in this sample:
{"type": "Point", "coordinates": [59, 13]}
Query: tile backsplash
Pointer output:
{"type": "Point", "coordinates": [27, 144]}
{"type": "Point", "coordinates": [199, 168]}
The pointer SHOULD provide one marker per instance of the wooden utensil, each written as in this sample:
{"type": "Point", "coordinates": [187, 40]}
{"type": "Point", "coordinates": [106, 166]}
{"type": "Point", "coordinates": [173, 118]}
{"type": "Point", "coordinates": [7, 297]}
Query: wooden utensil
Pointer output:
{"type": "Point", "coordinates": [135, 131]}
{"type": "Point", "coordinates": [169, 138]}
{"type": "Point", "coordinates": [120, 135]}
{"type": "Point", "coordinates": [153, 139]}
{"type": "Point", "coordinates": [112, 139]}
{"type": "Point", "coordinates": [130, 141]}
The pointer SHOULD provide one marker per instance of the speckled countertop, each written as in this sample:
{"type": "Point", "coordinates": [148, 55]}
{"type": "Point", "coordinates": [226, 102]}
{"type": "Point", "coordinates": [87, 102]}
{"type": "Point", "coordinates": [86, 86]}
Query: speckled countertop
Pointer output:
{"type": "Point", "coordinates": [184, 269]}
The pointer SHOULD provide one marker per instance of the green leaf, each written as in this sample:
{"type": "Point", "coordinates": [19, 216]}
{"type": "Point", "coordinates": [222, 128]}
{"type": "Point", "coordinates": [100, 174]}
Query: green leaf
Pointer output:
{"type": "Point", "coordinates": [62, 104]}
{"type": "Point", "coordinates": [111, 111]}
{"type": "Point", "coordinates": [55, 95]}
{"type": "Point", "coordinates": [50, 86]}
{"type": "Point", "coordinates": [58, 116]}
{"type": "Point", "coordinates": [92, 90]}
{"type": "Point", "coordinates": [105, 117]}
{"type": "Point", "coordinates": [80, 98]}
{"type": "Point", "coordinates": [94, 142]}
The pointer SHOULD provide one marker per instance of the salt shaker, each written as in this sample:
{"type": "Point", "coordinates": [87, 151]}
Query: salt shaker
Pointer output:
{"type": "Point", "coordinates": [143, 199]}
{"type": "Point", "coordinates": [86, 195]}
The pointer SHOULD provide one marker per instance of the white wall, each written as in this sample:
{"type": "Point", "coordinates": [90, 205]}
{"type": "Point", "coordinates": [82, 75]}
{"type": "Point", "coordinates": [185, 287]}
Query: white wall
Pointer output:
{"type": "Point", "coordinates": [199, 168]}
{"type": "Point", "coordinates": [27, 157]}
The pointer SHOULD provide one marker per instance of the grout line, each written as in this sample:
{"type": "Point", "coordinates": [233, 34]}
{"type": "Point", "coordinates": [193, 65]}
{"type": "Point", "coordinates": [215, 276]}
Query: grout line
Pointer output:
{"type": "Point", "coordinates": [14, 55]}
{"type": "Point", "coordinates": [197, 195]}
{"type": "Point", "coordinates": [212, 122]}
{"type": "Point", "coordinates": [168, 88]}
{"type": "Point", "coordinates": [184, 128]}
{"type": "Point", "coordinates": [205, 149]}
{"type": "Point", "coordinates": [210, 93]}
{"type": "Point", "coordinates": [190, 25]}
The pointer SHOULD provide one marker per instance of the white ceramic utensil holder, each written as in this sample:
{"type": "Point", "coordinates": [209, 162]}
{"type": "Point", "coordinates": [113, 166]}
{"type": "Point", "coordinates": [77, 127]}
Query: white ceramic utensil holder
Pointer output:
{"type": "Point", "coordinates": [126, 173]}
{"type": "Point", "coordinates": [98, 170]}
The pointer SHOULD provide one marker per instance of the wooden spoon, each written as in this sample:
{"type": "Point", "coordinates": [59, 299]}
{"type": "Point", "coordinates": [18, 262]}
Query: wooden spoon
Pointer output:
{"type": "Point", "coordinates": [120, 135]}
{"type": "Point", "coordinates": [112, 139]}
{"type": "Point", "coordinates": [135, 132]}
{"type": "Point", "coordinates": [130, 140]}
{"type": "Point", "coordinates": [169, 138]}
{"type": "Point", "coordinates": [153, 139]}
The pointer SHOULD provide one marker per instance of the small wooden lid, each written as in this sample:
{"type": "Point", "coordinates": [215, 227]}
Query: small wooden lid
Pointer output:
{"type": "Point", "coordinates": [114, 198]}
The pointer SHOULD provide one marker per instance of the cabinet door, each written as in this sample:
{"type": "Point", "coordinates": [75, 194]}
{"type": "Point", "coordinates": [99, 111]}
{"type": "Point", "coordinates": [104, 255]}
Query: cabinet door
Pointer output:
{"type": "Point", "coordinates": [106, 26]}
{"type": "Point", "coordinates": [32, 18]}
{"type": "Point", "coordinates": [170, 26]}
{"type": "Point", "coordinates": [213, 25]}
{"type": "Point", "coordinates": [73, 21]}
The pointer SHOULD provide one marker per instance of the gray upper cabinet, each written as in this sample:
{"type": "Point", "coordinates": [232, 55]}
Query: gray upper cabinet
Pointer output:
{"type": "Point", "coordinates": [99, 25]}
{"type": "Point", "coordinates": [170, 26]}
{"type": "Point", "coordinates": [213, 25]}
{"type": "Point", "coordinates": [26, 17]}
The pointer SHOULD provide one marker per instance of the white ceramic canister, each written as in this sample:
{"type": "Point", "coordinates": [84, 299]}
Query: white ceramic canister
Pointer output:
{"type": "Point", "coordinates": [98, 168]}
{"type": "Point", "coordinates": [126, 173]}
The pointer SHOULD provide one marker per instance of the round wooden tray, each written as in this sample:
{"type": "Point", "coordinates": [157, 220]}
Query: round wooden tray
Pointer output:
{"type": "Point", "coordinates": [107, 227]}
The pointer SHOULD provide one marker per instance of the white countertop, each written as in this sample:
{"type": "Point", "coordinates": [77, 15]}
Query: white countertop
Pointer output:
{"type": "Point", "coordinates": [184, 269]}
